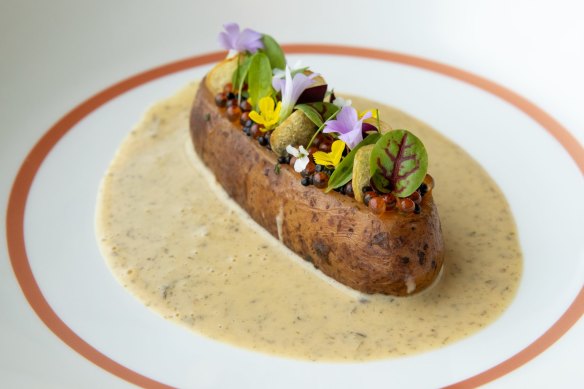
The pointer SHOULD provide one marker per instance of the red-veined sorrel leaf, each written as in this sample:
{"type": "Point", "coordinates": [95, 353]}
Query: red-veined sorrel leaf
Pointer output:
{"type": "Point", "coordinates": [398, 163]}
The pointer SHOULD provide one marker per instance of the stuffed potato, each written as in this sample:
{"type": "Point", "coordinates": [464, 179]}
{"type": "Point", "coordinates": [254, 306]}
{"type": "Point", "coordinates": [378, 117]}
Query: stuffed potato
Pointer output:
{"type": "Point", "coordinates": [395, 253]}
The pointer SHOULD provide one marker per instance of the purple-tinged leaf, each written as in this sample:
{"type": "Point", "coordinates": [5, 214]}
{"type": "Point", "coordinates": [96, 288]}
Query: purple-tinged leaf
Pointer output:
{"type": "Point", "coordinates": [312, 95]}
{"type": "Point", "coordinates": [368, 128]}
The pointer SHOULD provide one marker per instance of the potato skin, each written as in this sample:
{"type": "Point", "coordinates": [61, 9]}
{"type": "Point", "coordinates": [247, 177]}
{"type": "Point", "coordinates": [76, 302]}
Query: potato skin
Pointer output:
{"type": "Point", "coordinates": [395, 254]}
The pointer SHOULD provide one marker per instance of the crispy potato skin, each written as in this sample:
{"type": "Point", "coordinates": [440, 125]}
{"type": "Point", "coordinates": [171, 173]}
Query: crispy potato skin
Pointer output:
{"type": "Point", "coordinates": [386, 254]}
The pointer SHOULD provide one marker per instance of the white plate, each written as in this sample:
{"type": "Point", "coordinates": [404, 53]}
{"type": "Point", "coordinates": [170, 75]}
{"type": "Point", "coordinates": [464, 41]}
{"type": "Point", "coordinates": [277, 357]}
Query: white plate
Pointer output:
{"type": "Point", "coordinates": [72, 291]}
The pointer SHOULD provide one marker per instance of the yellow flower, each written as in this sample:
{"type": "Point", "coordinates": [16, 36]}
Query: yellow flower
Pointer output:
{"type": "Point", "coordinates": [333, 158]}
{"type": "Point", "coordinates": [373, 113]}
{"type": "Point", "coordinates": [268, 116]}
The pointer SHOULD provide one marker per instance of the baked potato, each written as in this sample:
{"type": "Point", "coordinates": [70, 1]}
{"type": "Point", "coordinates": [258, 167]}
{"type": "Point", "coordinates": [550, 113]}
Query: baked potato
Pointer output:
{"type": "Point", "coordinates": [393, 253]}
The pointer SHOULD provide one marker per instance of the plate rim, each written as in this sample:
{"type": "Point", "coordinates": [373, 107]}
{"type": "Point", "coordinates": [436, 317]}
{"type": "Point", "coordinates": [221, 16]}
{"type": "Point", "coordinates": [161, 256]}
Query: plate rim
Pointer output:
{"type": "Point", "coordinates": [26, 174]}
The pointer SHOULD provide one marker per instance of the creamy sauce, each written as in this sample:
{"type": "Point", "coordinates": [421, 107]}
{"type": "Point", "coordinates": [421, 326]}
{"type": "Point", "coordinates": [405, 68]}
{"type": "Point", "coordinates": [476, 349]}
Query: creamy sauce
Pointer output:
{"type": "Point", "coordinates": [174, 239]}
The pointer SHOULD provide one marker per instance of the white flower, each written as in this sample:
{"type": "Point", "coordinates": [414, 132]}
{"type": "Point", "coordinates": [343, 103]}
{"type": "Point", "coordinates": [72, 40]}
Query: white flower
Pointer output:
{"type": "Point", "coordinates": [340, 102]}
{"type": "Point", "coordinates": [301, 157]}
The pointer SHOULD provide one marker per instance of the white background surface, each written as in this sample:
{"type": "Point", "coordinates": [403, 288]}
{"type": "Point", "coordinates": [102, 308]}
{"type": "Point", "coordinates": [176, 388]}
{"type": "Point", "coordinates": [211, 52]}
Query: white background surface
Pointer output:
{"type": "Point", "coordinates": [55, 55]}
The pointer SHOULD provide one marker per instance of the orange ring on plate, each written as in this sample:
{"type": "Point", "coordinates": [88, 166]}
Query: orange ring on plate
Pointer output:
{"type": "Point", "coordinates": [26, 174]}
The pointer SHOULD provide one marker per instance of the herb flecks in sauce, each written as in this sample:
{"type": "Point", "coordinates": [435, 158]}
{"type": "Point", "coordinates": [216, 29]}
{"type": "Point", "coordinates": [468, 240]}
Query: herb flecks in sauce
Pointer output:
{"type": "Point", "coordinates": [173, 238]}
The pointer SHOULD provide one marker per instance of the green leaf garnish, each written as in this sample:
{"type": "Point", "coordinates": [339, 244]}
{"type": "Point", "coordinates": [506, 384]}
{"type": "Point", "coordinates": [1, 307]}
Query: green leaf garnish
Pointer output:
{"type": "Point", "coordinates": [318, 112]}
{"type": "Point", "coordinates": [344, 170]}
{"type": "Point", "coordinates": [319, 129]}
{"type": "Point", "coordinates": [398, 163]}
{"type": "Point", "coordinates": [240, 74]}
{"type": "Point", "coordinates": [274, 52]}
{"type": "Point", "coordinates": [259, 78]}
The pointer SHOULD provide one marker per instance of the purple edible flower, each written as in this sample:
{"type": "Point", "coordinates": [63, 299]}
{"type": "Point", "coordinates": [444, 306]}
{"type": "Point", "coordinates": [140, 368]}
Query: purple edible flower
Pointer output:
{"type": "Point", "coordinates": [347, 125]}
{"type": "Point", "coordinates": [246, 40]}
{"type": "Point", "coordinates": [291, 89]}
